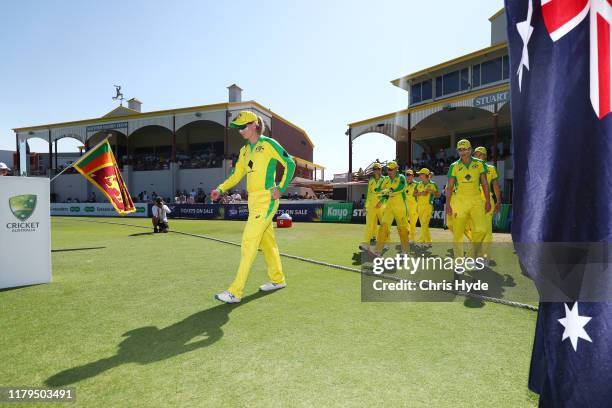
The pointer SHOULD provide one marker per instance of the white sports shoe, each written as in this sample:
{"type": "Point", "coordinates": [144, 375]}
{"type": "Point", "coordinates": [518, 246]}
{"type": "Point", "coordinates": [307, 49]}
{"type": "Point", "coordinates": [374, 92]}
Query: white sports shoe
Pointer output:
{"type": "Point", "coordinates": [270, 286]}
{"type": "Point", "coordinates": [227, 297]}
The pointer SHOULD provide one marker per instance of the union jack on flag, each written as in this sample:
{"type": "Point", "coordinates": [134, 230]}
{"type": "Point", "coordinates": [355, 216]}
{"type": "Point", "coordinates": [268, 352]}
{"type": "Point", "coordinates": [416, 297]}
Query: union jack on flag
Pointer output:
{"type": "Point", "coordinates": [562, 16]}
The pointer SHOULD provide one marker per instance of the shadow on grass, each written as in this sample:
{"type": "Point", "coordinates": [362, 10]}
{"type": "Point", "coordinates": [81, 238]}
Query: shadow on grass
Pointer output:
{"type": "Point", "coordinates": [77, 249]}
{"type": "Point", "coordinates": [139, 234]}
{"type": "Point", "coordinates": [149, 344]}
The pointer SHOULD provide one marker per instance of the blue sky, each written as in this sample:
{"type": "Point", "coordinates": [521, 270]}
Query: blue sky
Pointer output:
{"type": "Point", "coordinates": [320, 64]}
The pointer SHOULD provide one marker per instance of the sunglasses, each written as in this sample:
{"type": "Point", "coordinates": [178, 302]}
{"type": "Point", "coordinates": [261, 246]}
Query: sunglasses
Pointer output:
{"type": "Point", "coordinates": [242, 127]}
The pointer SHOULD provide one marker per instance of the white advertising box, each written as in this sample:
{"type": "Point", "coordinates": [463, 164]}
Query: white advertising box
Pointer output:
{"type": "Point", "coordinates": [25, 231]}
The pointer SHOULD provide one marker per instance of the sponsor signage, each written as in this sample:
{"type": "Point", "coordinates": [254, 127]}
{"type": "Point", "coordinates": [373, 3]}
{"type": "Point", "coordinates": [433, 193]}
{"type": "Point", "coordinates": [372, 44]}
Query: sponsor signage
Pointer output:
{"type": "Point", "coordinates": [107, 126]}
{"type": "Point", "coordinates": [94, 210]}
{"type": "Point", "coordinates": [25, 236]}
{"type": "Point", "coordinates": [338, 212]}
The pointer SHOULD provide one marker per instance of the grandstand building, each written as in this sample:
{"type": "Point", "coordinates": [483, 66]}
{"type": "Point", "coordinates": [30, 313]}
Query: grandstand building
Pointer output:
{"type": "Point", "coordinates": [466, 97]}
{"type": "Point", "coordinates": [163, 151]}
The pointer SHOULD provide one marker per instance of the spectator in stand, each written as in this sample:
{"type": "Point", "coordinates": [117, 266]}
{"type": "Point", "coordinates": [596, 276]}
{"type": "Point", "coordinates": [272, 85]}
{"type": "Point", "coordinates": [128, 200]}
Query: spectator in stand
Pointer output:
{"type": "Point", "coordinates": [191, 199]}
{"type": "Point", "coordinates": [145, 197]}
{"type": "Point", "coordinates": [4, 169]}
{"type": "Point", "coordinates": [69, 200]}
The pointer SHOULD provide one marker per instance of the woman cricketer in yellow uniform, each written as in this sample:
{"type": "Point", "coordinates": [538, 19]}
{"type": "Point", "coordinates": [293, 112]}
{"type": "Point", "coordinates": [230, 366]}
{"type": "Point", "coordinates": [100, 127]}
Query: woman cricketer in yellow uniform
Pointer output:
{"type": "Point", "coordinates": [411, 201]}
{"type": "Point", "coordinates": [481, 153]}
{"type": "Point", "coordinates": [466, 177]}
{"type": "Point", "coordinates": [373, 214]}
{"type": "Point", "coordinates": [257, 160]}
{"type": "Point", "coordinates": [425, 192]}
{"type": "Point", "coordinates": [393, 198]}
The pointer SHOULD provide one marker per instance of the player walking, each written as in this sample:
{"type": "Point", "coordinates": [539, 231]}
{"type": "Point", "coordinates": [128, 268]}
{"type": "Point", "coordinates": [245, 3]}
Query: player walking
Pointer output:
{"type": "Point", "coordinates": [257, 160]}
{"type": "Point", "coordinates": [425, 192]}
{"type": "Point", "coordinates": [373, 214]}
{"type": "Point", "coordinates": [393, 192]}
{"type": "Point", "coordinates": [411, 201]}
{"type": "Point", "coordinates": [466, 177]}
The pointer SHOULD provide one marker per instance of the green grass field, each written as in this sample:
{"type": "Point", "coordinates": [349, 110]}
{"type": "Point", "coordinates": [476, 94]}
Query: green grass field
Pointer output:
{"type": "Point", "coordinates": [131, 322]}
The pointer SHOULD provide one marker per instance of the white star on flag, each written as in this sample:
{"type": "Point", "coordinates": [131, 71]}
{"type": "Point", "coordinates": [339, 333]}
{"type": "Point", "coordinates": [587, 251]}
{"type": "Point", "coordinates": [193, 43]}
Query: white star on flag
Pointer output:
{"type": "Point", "coordinates": [525, 29]}
{"type": "Point", "coordinates": [574, 325]}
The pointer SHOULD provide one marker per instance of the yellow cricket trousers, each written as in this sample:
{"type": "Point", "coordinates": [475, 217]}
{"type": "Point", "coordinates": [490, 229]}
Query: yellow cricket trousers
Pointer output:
{"type": "Point", "coordinates": [395, 209]}
{"type": "Point", "coordinates": [468, 211]}
{"type": "Point", "coordinates": [425, 212]}
{"type": "Point", "coordinates": [413, 216]}
{"type": "Point", "coordinates": [373, 217]}
{"type": "Point", "coordinates": [258, 233]}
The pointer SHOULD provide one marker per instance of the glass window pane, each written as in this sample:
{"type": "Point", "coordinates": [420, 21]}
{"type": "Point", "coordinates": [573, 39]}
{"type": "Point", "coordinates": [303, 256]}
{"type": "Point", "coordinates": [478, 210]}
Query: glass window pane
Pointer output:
{"type": "Point", "coordinates": [465, 79]}
{"type": "Point", "coordinates": [492, 71]}
{"type": "Point", "coordinates": [415, 93]}
{"type": "Point", "coordinates": [451, 83]}
{"type": "Point", "coordinates": [438, 87]}
{"type": "Point", "coordinates": [476, 75]}
{"type": "Point", "coordinates": [426, 90]}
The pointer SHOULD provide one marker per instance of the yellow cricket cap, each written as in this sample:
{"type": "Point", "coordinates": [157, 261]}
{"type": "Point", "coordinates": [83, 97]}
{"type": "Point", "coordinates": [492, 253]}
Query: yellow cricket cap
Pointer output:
{"type": "Point", "coordinates": [242, 119]}
{"type": "Point", "coordinates": [423, 171]}
{"type": "Point", "coordinates": [376, 166]}
{"type": "Point", "coordinates": [409, 171]}
{"type": "Point", "coordinates": [392, 165]}
{"type": "Point", "coordinates": [463, 144]}
{"type": "Point", "coordinates": [481, 149]}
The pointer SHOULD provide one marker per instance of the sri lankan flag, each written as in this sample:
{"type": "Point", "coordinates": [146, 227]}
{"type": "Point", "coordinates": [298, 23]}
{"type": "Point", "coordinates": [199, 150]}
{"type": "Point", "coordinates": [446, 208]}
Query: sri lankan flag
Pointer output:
{"type": "Point", "coordinates": [100, 167]}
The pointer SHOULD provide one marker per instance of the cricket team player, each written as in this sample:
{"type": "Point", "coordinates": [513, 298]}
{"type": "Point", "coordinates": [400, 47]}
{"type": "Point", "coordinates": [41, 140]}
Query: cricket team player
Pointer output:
{"type": "Point", "coordinates": [481, 153]}
{"type": "Point", "coordinates": [374, 214]}
{"type": "Point", "coordinates": [425, 192]}
{"type": "Point", "coordinates": [411, 201]}
{"type": "Point", "coordinates": [464, 205]}
{"type": "Point", "coordinates": [257, 161]}
{"type": "Point", "coordinates": [393, 200]}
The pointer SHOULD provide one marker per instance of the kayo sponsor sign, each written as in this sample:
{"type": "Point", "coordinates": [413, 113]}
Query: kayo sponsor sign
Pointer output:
{"type": "Point", "coordinates": [338, 212]}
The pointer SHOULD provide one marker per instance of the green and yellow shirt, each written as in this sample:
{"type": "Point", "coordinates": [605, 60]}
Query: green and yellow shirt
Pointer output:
{"type": "Point", "coordinates": [491, 177]}
{"type": "Point", "coordinates": [430, 188]}
{"type": "Point", "coordinates": [258, 162]}
{"type": "Point", "coordinates": [374, 186]}
{"type": "Point", "coordinates": [410, 187]}
{"type": "Point", "coordinates": [467, 176]}
{"type": "Point", "coordinates": [394, 188]}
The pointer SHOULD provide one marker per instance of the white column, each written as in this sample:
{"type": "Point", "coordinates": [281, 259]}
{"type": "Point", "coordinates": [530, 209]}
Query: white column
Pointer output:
{"type": "Point", "coordinates": [23, 157]}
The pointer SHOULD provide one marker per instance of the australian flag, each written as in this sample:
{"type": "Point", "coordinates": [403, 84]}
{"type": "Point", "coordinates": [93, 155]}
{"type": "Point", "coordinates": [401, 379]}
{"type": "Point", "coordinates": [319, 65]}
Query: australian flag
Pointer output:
{"type": "Point", "coordinates": [561, 86]}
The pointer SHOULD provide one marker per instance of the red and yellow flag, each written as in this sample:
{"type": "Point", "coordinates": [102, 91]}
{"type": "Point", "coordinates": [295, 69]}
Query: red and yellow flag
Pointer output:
{"type": "Point", "coordinates": [100, 167]}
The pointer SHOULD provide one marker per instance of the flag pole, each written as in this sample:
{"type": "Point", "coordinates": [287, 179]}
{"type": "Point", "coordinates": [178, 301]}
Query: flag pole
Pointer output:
{"type": "Point", "coordinates": [80, 158]}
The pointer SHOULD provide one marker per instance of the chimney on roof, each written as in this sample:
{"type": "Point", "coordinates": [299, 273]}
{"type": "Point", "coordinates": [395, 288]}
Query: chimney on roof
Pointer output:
{"type": "Point", "coordinates": [135, 104]}
{"type": "Point", "coordinates": [235, 93]}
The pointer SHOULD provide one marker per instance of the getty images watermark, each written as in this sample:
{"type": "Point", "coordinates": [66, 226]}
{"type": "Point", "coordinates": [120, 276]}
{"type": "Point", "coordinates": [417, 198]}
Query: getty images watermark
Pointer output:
{"type": "Point", "coordinates": [422, 277]}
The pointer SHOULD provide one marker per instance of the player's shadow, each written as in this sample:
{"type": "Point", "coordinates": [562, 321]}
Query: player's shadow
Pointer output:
{"type": "Point", "coordinates": [497, 284]}
{"type": "Point", "coordinates": [140, 234]}
{"type": "Point", "coordinates": [145, 345]}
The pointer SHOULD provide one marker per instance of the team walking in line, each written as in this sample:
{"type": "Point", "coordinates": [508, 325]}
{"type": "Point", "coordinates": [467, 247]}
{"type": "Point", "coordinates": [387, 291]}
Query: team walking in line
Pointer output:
{"type": "Point", "coordinates": [469, 208]}
{"type": "Point", "coordinates": [393, 197]}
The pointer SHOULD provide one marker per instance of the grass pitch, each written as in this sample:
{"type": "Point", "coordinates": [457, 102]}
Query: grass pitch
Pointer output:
{"type": "Point", "coordinates": [130, 320]}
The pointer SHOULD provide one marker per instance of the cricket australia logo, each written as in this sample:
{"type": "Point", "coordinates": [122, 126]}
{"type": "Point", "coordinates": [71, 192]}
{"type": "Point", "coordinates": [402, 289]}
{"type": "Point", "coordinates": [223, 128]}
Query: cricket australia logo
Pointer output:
{"type": "Point", "coordinates": [22, 206]}
{"type": "Point", "coordinates": [259, 149]}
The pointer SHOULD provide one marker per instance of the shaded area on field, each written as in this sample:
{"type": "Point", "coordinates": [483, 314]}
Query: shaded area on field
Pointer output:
{"type": "Point", "coordinates": [77, 249]}
{"type": "Point", "coordinates": [148, 344]}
